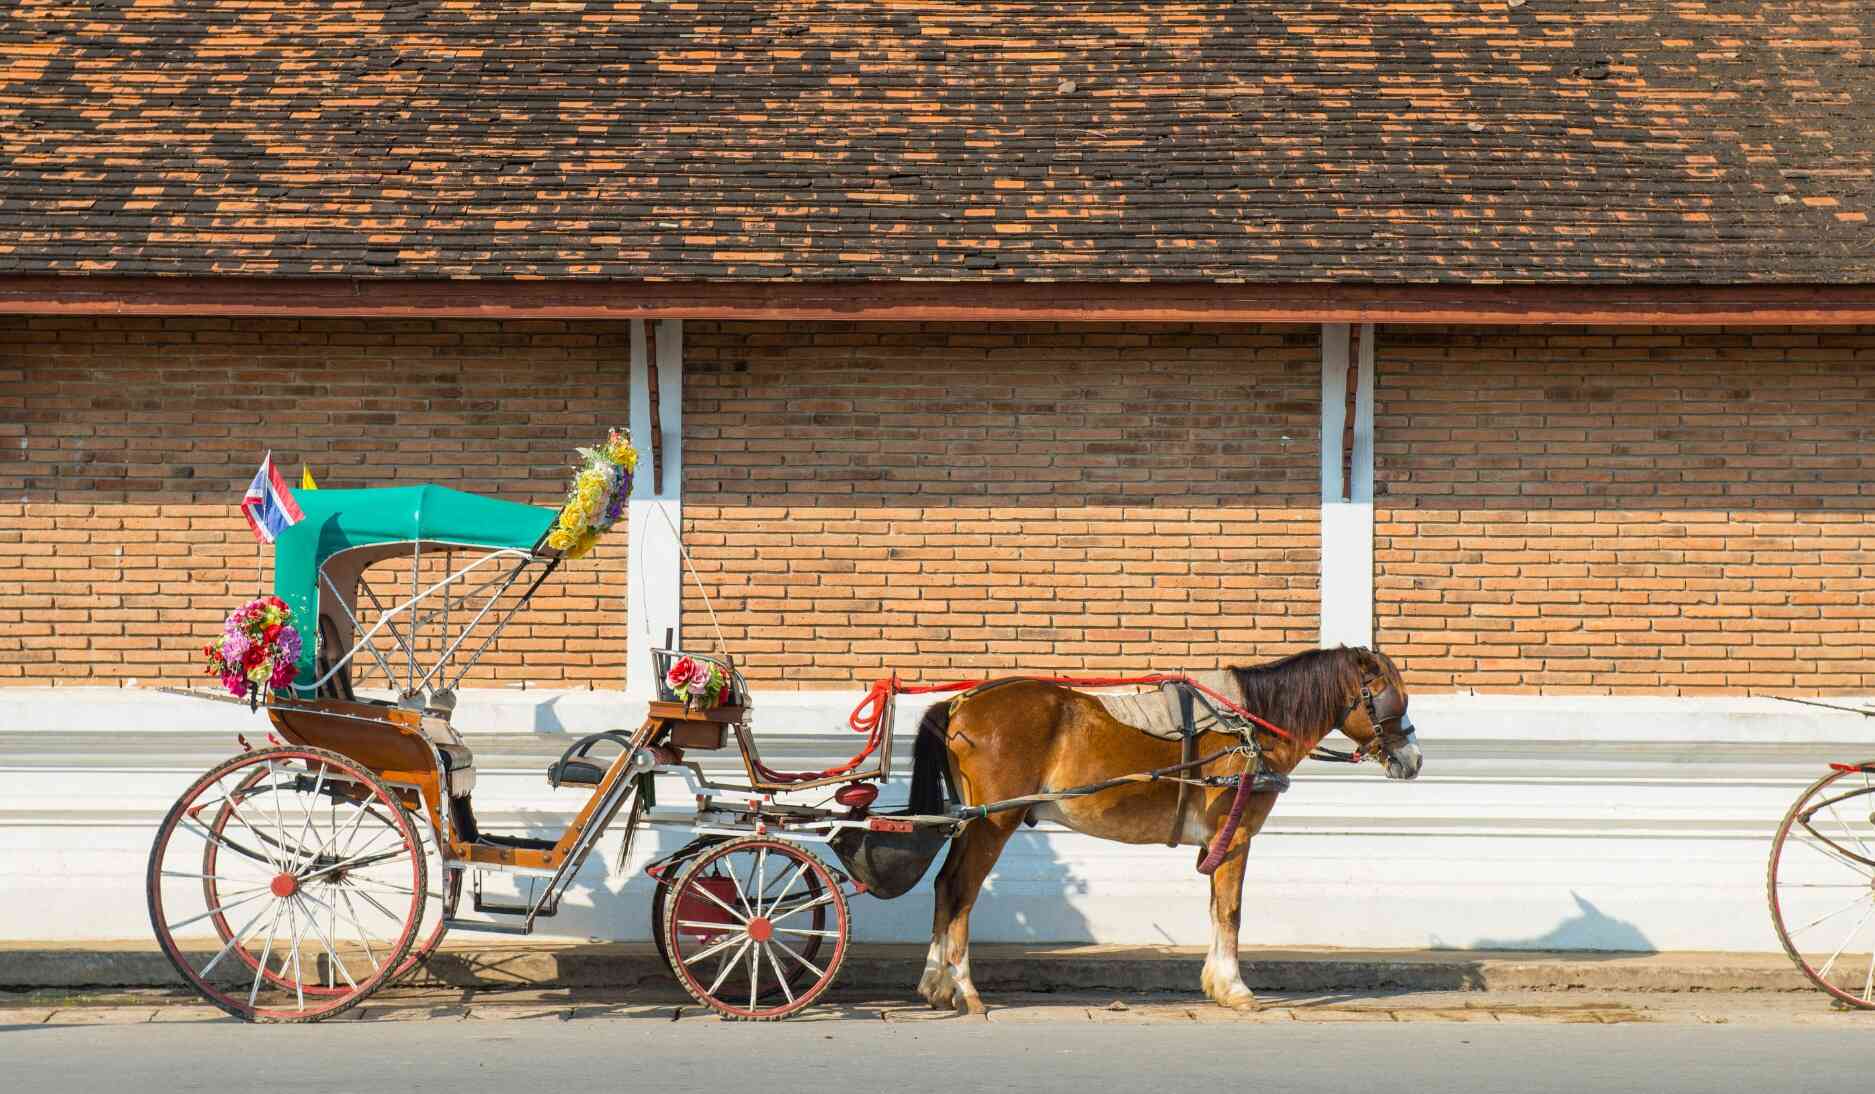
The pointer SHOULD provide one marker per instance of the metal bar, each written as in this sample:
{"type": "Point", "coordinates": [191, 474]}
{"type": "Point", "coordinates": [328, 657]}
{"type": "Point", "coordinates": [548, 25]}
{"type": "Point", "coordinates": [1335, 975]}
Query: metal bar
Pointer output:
{"type": "Point", "coordinates": [390, 677]}
{"type": "Point", "coordinates": [504, 552]}
{"type": "Point", "coordinates": [384, 620]}
{"type": "Point", "coordinates": [1866, 712]}
{"type": "Point", "coordinates": [493, 599]}
{"type": "Point", "coordinates": [551, 566]}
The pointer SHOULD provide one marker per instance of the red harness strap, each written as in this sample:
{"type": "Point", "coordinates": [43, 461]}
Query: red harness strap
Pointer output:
{"type": "Point", "coordinates": [869, 716]}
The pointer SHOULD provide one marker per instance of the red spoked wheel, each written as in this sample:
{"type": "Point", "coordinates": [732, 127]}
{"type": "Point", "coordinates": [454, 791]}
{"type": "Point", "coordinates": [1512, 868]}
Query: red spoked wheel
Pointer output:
{"type": "Point", "coordinates": [299, 878]}
{"type": "Point", "coordinates": [1821, 885]}
{"type": "Point", "coordinates": [756, 929]}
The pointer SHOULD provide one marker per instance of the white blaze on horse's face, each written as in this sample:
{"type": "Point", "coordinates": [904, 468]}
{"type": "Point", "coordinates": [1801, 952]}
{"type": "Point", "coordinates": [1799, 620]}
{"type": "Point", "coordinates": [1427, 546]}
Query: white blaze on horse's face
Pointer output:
{"type": "Point", "coordinates": [1404, 761]}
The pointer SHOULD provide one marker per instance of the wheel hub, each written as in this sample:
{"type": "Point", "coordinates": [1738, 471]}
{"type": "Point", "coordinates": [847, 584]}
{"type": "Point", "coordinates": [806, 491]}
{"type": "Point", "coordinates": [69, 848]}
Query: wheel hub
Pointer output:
{"type": "Point", "coordinates": [761, 929]}
{"type": "Point", "coordinates": [284, 885]}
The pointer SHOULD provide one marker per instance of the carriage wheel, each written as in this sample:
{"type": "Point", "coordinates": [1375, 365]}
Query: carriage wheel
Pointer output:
{"type": "Point", "coordinates": [308, 872]}
{"type": "Point", "coordinates": [756, 928]}
{"type": "Point", "coordinates": [1821, 885]}
{"type": "Point", "coordinates": [445, 889]}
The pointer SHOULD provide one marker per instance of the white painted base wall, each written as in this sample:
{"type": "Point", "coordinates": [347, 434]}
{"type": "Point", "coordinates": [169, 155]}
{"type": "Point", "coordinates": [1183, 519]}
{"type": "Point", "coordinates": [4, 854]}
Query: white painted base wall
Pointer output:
{"type": "Point", "coordinates": [1598, 823]}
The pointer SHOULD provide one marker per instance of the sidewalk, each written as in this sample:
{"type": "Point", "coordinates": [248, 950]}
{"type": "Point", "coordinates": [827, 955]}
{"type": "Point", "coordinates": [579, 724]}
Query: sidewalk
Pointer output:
{"type": "Point", "coordinates": [893, 970]}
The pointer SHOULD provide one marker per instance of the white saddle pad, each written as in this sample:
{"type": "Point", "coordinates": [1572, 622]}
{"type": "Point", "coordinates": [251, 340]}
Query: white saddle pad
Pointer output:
{"type": "Point", "coordinates": [1156, 712]}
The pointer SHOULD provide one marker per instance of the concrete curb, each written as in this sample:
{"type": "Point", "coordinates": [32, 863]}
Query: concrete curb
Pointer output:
{"type": "Point", "coordinates": [894, 969]}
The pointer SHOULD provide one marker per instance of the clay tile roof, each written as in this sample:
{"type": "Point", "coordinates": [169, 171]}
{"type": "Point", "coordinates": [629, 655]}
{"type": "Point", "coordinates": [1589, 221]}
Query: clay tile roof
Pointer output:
{"type": "Point", "coordinates": [1705, 141]}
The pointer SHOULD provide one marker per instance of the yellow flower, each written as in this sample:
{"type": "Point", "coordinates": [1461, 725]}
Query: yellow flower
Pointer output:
{"type": "Point", "coordinates": [560, 539]}
{"type": "Point", "coordinates": [584, 545]}
{"type": "Point", "coordinates": [592, 491]}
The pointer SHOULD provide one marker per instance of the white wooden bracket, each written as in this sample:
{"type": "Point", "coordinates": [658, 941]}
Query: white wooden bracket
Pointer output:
{"type": "Point", "coordinates": [654, 598]}
{"type": "Point", "coordinates": [1347, 593]}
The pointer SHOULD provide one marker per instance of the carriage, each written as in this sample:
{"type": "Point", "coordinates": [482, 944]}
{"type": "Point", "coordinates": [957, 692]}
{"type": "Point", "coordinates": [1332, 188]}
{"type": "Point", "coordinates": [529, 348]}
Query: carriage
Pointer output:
{"type": "Point", "coordinates": [291, 882]}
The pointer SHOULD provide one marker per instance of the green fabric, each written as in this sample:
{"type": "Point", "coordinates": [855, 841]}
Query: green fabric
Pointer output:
{"type": "Point", "coordinates": [338, 520]}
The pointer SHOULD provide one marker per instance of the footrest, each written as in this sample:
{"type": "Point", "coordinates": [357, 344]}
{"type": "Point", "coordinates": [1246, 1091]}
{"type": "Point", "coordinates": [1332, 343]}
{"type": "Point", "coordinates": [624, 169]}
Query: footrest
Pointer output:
{"type": "Point", "coordinates": [576, 772]}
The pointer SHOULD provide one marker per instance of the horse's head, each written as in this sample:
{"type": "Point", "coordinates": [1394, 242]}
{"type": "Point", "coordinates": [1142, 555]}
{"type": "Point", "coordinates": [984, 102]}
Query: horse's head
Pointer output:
{"type": "Point", "coordinates": [1376, 717]}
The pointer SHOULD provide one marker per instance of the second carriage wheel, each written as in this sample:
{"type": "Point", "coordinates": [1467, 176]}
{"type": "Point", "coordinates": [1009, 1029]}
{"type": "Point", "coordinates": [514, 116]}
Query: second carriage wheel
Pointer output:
{"type": "Point", "coordinates": [1821, 884]}
{"type": "Point", "coordinates": [287, 884]}
{"type": "Point", "coordinates": [756, 928]}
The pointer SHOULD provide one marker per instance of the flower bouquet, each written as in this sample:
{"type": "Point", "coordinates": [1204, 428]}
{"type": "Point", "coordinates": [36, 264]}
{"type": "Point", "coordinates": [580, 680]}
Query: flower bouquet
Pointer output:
{"type": "Point", "coordinates": [697, 683]}
{"type": "Point", "coordinates": [596, 499]}
{"type": "Point", "coordinates": [259, 649]}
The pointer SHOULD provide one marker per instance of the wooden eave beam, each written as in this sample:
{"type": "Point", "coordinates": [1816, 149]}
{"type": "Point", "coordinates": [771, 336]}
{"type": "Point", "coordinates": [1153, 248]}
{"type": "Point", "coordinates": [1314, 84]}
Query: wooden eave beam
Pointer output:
{"type": "Point", "coordinates": [944, 301]}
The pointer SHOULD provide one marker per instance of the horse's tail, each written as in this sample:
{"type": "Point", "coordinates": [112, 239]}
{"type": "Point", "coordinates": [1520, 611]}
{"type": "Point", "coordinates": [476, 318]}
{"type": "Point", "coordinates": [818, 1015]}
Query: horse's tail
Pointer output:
{"type": "Point", "coordinates": [931, 785]}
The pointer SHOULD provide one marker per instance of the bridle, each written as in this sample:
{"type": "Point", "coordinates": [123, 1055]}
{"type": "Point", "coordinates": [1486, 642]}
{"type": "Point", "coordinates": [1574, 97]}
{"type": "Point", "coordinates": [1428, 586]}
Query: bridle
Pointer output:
{"type": "Point", "coordinates": [1368, 700]}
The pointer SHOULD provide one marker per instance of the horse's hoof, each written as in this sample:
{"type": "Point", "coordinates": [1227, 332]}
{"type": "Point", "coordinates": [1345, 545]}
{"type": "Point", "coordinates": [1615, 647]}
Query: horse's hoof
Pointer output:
{"type": "Point", "coordinates": [1241, 999]}
{"type": "Point", "coordinates": [969, 1006]}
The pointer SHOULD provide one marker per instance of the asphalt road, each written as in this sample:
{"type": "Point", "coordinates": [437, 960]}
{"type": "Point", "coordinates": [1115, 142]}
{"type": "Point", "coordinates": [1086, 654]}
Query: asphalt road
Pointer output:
{"type": "Point", "coordinates": [940, 1057]}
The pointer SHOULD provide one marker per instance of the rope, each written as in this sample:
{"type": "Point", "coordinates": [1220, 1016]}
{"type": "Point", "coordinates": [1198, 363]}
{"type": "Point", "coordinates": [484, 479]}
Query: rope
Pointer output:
{"type": "Point", "coordinates": [869, 716]}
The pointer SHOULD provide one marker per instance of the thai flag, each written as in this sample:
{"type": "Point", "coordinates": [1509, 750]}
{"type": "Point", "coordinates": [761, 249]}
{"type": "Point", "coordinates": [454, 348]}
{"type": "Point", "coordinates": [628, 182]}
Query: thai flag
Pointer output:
{"type": "Point", "coordinates": [268, 503]}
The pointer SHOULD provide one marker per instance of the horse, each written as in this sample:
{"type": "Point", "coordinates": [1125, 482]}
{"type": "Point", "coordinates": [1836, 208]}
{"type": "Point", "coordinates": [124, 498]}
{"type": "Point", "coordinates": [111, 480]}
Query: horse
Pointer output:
{"type": "Point", "coordinates": [1018, 737]}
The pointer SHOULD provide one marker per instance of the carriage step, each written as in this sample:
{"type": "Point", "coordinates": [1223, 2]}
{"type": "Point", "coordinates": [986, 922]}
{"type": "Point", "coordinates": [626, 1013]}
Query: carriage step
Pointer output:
{"type": "Point", "coordinates": [489, 907]}
{"type": "Point", "coordinates": [486, 927]}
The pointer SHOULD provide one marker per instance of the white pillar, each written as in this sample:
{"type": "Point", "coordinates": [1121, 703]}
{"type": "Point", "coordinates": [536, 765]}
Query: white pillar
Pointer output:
{"type": "Point", "coordinates": [654, 600]}
{"type": "Point", "coordinates": [1347, 593]}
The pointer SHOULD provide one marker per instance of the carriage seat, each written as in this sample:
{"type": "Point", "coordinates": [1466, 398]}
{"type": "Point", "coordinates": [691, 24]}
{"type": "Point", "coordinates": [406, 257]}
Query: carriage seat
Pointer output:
{"type": "Point", "coordinates": [1159, 713]}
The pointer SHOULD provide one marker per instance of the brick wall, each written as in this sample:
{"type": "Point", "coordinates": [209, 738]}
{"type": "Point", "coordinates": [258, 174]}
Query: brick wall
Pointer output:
{"type": "Point", "coordinates": [946, 500]}
{"type": "Point", "coordinates": [1608, 511]}
{"type": "Point", "coordinates": [125, 445]}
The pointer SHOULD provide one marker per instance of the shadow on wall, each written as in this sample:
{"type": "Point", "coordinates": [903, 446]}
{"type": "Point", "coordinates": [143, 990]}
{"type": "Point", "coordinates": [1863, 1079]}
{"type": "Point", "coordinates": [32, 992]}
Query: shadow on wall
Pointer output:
{"type": "Point", "coordinates": [1592, 929]}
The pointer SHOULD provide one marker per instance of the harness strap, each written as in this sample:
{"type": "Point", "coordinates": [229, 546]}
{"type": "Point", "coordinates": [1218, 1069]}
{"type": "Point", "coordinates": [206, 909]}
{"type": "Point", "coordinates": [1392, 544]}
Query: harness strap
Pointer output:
{"type": "Point", "coordinates": [1188, 751]}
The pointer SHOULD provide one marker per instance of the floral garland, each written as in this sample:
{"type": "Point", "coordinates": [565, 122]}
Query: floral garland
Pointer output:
{"type": "Point", "coordinates": [596, 499]}
{"type": "Point", "coordinates": [259, 648]}
{"type": "Point", "coordinates": [691, 680]}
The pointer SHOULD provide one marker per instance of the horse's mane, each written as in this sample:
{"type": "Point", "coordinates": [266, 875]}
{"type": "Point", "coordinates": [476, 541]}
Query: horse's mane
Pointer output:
{"type": "Point", "coordinates": [1308, 691]}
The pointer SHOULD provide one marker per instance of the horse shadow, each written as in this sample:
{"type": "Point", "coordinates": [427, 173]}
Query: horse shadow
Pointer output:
{"type": "Point", "coordinates": [1589, 932]}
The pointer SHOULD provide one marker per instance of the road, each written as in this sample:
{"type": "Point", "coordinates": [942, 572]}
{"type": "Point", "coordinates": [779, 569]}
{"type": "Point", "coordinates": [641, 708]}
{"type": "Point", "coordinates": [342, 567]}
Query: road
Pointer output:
{"type": "Point", "coordinates": [1459, 1043]}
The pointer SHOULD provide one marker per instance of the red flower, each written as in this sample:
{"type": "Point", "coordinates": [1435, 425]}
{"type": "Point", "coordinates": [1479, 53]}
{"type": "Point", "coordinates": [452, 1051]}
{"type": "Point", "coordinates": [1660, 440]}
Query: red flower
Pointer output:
{"type": "Point", "coordinates": [255, 655]}
{"type": "Point", "coordinates": [270, 633]}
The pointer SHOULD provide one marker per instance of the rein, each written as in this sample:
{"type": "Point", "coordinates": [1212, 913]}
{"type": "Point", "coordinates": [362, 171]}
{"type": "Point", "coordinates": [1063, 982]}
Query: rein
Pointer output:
{"type": "Point", "coordinates": [1215, 856]}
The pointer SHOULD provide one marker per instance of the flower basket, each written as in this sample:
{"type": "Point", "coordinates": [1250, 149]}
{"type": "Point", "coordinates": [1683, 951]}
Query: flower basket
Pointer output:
{"type": "Point", "coordinates": [596, 500]}
{"type": "Point", "coordinates": [259, 649]}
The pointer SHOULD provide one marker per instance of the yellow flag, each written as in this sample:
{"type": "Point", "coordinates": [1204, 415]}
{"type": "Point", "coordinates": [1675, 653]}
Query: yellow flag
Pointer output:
{"type": "Point", "coordinates": [305, 478]}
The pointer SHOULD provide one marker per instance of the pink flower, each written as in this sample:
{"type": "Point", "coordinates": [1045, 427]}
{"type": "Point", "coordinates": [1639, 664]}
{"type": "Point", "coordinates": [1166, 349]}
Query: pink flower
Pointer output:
{"type": "Point", "coordinates": [687, 673]}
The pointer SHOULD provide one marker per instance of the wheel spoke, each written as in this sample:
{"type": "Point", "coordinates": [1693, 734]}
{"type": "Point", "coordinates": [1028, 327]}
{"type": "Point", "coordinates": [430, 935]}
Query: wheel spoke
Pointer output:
{"type": "Point", "coordinates": [363, 938]}
{"type": "Point", "coordinates": [823, 899]}
{"type": "Point", "coordinates": [222, 907]}
{"type": "Point", "coordinates": [233, 941]}
{"type": "Point", "coordinates": [716, 948]}
{"type": "Point", "coordinates": [1830, 915]}
{"type": "Point", "coordinates": [754, 969]}
{"type": "Point", "coordinates": [1844, 825]}
{"type": "Point", "coordinates": [306, 807]}
{"type": "Point", "coordinates": [266, 955]}
{"type": "Point", "coordinates": [740, 918]}
{"type": "Point", "coordinates": [811, 967]}
{"type": "Point", "coordinates": [1827, 847]}
{"type": "Point", "coordinates": [786, 888]}
{"type": "Point", "coordinates": [331, 949]}
{"type": "Point", "coordinates": [741, 894]}
{"type": "Point", "coordinates": [779, 975]}
{"type": "Point", "coordinates": [1850, 937]}
{"type": "Point", "coordinates": [800, 931]}
{"type": "Point", "coordinates": [730, 964]}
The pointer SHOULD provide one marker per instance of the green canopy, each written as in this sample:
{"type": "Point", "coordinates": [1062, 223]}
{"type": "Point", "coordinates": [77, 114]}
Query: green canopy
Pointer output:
{"type": "Point", "coordinates": [339, 520]}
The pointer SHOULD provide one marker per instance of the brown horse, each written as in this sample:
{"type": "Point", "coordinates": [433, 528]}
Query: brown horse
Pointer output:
{"type": "Point", "coordinates": [1021, 737]}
